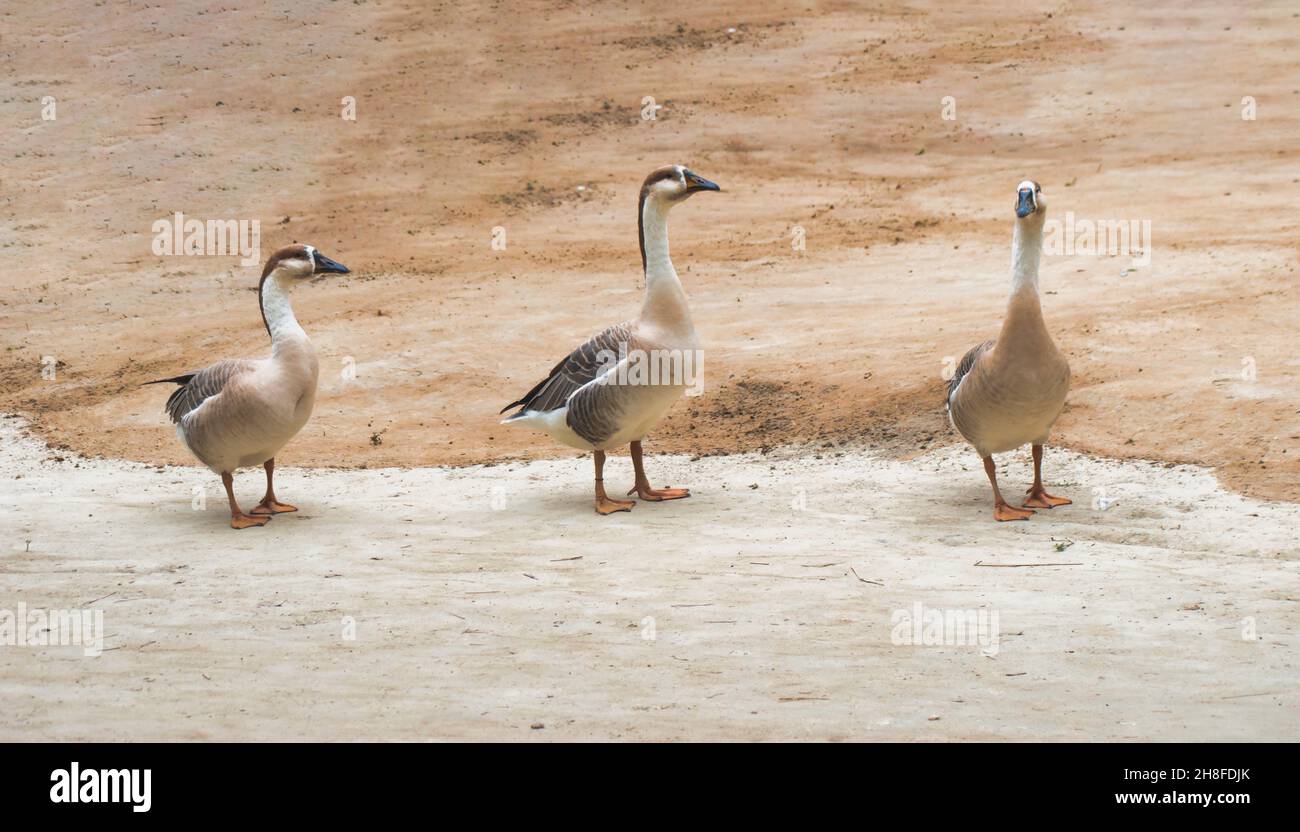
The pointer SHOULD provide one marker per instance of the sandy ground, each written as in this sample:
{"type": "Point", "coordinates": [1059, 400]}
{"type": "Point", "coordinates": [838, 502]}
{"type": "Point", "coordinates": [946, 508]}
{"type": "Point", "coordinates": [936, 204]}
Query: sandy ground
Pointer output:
{"type": "Point", "coordinates": [822, 115]}
{"type": "Point", "coordinates": [489, 600]}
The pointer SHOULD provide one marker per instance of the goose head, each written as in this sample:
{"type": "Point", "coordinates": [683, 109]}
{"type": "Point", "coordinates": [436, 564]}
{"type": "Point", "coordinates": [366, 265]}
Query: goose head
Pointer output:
{"type": "Point", "coordinates": [1030, 207]}
{"type": "Point", "coordinates": [299, 262]}
{"type": "Point", "coordinates": [672, 184]}
{"type": "Point", "coordinates": [287, 266]}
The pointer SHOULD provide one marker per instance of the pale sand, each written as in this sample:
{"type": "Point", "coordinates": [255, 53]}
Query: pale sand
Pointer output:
{"type": "Point", "coordinates": [475, 620]}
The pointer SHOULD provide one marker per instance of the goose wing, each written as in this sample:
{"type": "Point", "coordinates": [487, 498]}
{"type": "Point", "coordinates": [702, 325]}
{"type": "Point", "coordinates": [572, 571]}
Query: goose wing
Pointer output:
{"type": "Point", "coordinates": [583, 365]}
{"type": "Point", "coordinates": [195, 388]}
{"type": "Point", "coordinates": [967, 362]}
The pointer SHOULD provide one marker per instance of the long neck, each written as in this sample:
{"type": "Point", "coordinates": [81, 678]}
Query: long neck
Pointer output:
{"type": "Point", "coordinates": [278, 314]}
{"type": "Point", "coordinates": [665, 300]}
{"type": "Point", "coordinates": [1024, 311]}
{"type": "Point", "coordinates": [1026, 249]}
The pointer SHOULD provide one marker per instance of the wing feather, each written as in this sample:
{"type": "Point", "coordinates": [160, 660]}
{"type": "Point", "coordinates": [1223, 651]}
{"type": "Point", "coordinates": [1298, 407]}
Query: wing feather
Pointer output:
{"type": "Point", "coordinates": [580, 367]}
{"type": "Point", "coordinates": [967, 362]}
{"type": "Point", "coordinates": [198, 387]}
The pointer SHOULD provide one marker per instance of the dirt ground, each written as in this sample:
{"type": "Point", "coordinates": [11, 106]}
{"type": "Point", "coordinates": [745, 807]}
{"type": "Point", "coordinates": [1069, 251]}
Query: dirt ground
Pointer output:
{"type": "Point", "coordinates": [685, 620]}
{"type": "Point", "coordinates": [821, 116]}
{"type": "Point", "coordinates": [826, 116]}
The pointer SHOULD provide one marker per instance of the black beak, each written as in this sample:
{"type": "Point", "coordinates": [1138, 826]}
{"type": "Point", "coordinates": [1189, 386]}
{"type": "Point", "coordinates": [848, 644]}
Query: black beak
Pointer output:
{"type": "Point", "coordinates": [1026, 204]}
{"type": "Point", "coordinates": [324, 265]}
{"type": "Point", "coordinates": [696, 183]}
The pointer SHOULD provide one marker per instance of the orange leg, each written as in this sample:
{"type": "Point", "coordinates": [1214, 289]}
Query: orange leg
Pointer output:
{"type": "Point", "coordinates": [642, 488]}
{"type": "Point", "coordinates": [1001, 509]}
{"type": "Point", "coordinates": [1038, 498]}
{"type": "Point", "coordinates": [269, 505]}
{"type": "Point", "coordinates": [238, 519]}
{"type": "Point", "coordinates": [604, 505]}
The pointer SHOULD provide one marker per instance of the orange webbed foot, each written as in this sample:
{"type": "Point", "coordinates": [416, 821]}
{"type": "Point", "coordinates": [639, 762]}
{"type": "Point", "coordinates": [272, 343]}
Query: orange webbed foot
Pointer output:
{"type": "Point", "coordinates": [606, 505]}
{"type": "Point", "coordinates": [1004, 512]}
{"type": "Point", "coordinates": [656, 495]}
{"type": "Point", "coordinates": [1041, 499]}
{"type": "Point", "coordinates": [244, 521]}
{"type": "Point", "coordinates": [269, 507]}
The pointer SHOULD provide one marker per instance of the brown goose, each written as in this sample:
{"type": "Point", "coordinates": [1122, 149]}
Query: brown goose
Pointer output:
{"type": "Point", "coordinates": [241, 412]}
{"type": "Point", "coordinates": [602, 396]}
{"type": "Point", "coordinates": [1008, 392]}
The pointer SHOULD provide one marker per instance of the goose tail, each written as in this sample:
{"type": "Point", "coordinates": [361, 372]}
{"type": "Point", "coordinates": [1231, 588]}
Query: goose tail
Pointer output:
{"type": "Point", "coordinates": [185, 379]}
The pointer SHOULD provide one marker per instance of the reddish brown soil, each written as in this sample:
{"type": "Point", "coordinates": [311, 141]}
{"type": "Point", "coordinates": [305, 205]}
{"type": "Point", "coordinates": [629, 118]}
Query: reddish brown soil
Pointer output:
{"type": "Point", "coordinates": [827, 116]}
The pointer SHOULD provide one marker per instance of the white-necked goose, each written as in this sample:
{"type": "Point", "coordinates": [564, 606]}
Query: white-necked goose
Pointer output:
{"type": "Point", "coordinates": [240, 412]}
{"type": "Point", "coordinates": [1008, 392]}
{"type": "Point", "coordinates": [594, 399]}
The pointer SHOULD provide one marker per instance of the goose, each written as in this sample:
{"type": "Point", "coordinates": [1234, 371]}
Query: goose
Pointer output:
{"type": "Point", "coordinates": [240, 412]}
{"type": "Point", "coordinates": [594, 399]}
{"type": "Point", "coordinates": [1009, 391]}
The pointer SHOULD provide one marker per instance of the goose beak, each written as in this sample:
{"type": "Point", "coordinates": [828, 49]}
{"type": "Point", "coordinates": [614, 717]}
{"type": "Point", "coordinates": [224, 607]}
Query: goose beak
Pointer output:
{"type": "Point", "coordinates": [695, 182]}
{"type": "Point", "coordinates": [324, 265]}
{"type": "Point", "coordinates": [1026, 204]}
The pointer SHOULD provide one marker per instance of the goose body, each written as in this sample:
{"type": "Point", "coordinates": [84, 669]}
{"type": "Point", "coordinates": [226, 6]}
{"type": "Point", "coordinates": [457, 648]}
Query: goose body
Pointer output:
{"type": "Point", "coordinates": [1012, 389]}
{"type": "Point", "coordinates": [582, 403]}
{"type": "Point", "coordinates": [241, 412]}
{"type": "Point", "coordinates": [253, 409]}
{"type": "Point", "coordinates": [1008, 392]}
{"type": "Point", "coordinates": [616, 387]}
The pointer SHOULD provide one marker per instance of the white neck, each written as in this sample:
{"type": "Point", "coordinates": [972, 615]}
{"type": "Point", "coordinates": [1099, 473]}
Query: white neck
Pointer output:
{"type": "Point", "coordinates": [1026, 249]}
{"type": "Point", "coordinates": [279, 314]}
{"type": "Point", "coordinates": [1023, 330]}
{"type": "Point", "coordinates": [665, 300]}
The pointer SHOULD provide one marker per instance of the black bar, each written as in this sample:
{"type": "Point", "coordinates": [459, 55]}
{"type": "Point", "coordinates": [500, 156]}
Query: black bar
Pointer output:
{"type": "Point", "coordinates": [966, 780]}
